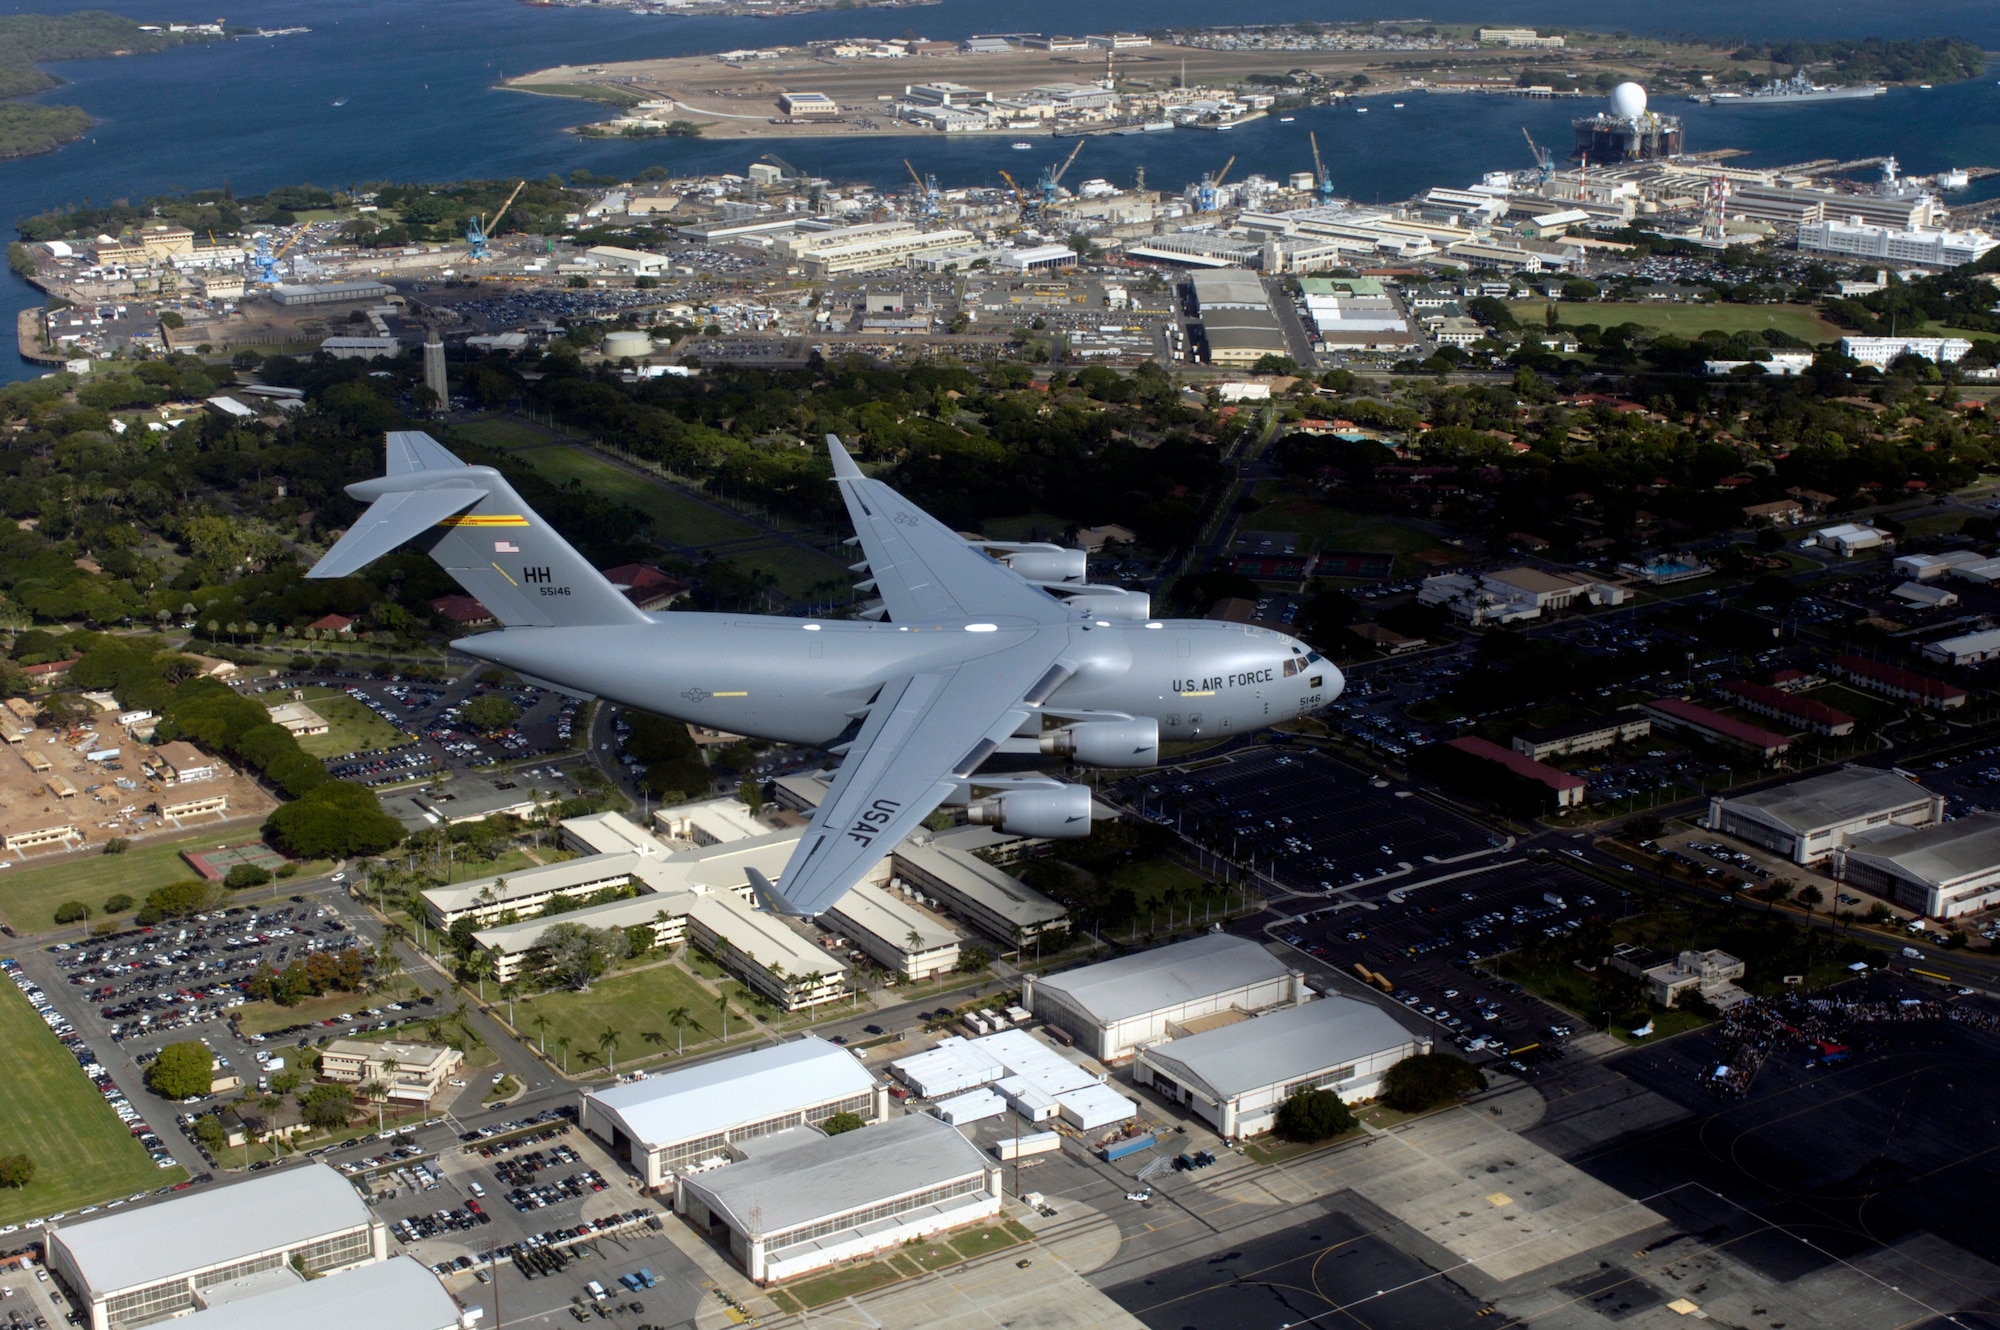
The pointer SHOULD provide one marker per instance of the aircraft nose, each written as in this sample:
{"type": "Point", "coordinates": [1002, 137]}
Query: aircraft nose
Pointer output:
{"type": "Point", "coordinates": [1336, 681]}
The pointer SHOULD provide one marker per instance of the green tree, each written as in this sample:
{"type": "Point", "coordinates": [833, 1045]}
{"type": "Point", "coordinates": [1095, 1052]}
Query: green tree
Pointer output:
{"type": "Point", "coordinates": [117, 904]}
{"type": "Point", "coordinates": [327, 1107]}
{"type": "Point", "coordinates": [242, 876]}
{"type": "Point", "coordinates": [209, 1131]}
{"type": "Point", "coordinates": [183, 1070]}
{"type": "Point", "coordinates": [489, 712]}
{"type": "Point", "coordinates": [334, 821]}
{"type": "Point", "coordinates": [16, 1170]}
{"type": "Point", "coordinates": [971, 960]}
{"type": "Point", "coordinates": [1427, 1081]}
{"type": "Point", "coordinates": [1314, 1115]}
{"type": "Point", "coordinates": [607, 1044]}
{"type": "Point", "coordinates": [842, 1122]}
{"type": "Point", "coordinates": [72, 912]}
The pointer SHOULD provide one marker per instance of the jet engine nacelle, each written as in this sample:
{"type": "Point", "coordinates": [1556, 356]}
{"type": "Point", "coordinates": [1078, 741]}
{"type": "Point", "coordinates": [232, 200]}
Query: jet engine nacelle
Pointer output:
{"type": "Point", "coordinates": [1107, 743]}
{"type": "Point", "coordinates": [1048, 565]}
{"type": "Point", "coordinates": [1113, 602]}
{"type": "Point", "coordinates": [1057, 812]}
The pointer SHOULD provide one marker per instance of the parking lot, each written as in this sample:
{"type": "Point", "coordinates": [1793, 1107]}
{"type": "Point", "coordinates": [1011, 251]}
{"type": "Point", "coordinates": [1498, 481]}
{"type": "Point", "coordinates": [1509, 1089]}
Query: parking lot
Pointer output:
{"type": "Point", "coordinates": [539, 1210]}
{"type": "Point", "coordinates": [1428, 943]}
{"type": "Point", "coordinates": [429, 714]}
{"type": "Point", "coordinates": [116, 1000]}
{"type": "Point", "coordinates": [1313, 823]}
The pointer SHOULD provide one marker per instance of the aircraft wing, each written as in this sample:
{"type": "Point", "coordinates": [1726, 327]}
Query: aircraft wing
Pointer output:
{"type": "Point", "coordinates": [923, 735]}
{"type": "Point", "coordinates": [922, 569]}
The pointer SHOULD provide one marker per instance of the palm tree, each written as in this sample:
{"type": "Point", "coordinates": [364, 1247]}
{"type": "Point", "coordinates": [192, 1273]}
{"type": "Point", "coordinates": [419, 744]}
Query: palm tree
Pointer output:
{"type": "Point", "coordinates": [722, 1005]}
{"type": "Point", "coordinates": [680, 1018]}
{"type": "Point", "coordinates": [541, 1024]}
{"type": "Point", "coordinates": [607, 1044]}
{"type": "Point", "coordinates": [562, 1047]}
{"type": "Point", "coordinates": [479, 965]}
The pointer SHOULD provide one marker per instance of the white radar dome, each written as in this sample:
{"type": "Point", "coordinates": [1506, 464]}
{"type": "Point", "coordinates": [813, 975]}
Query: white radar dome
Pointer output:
{"type": "Point", "coordinates": [1628, 101]}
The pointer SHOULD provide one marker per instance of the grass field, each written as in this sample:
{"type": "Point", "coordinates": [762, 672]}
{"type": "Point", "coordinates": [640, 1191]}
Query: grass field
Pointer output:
{"type": "Point", "coordinates": [501, 433]}
{"type": "Point", "coordinates": [1285, 509]}
{"type": "Point", "coordinates": [589, 92]}
{"type": "Point", "coordinates": [1687, 320]}
{"type": "Point", "coordinates": [51, 1112]}
{"type": "Point", "coordinates": [676, 516]}
{"type": "Point", "coordinates": [797, 570]}
{"type": "Point", "coordinates": [351, 726]}
{"type": "Point", "coordinates": [29, 894]}
{"type": "Point", "coordinates": [632, 1003]}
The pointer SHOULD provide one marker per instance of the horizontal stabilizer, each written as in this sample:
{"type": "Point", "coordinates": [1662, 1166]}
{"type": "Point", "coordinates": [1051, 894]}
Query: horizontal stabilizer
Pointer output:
{"type": "Point", "coordinates": [768, 893]}
{"type": "Point", "coordinates": [470, 521]}
{"type": "Point", "coordinates": [389, 522]}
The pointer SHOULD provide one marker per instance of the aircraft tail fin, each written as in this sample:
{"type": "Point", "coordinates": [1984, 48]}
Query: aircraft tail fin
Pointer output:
{"type": "Point", "coordinates": [470, 520]}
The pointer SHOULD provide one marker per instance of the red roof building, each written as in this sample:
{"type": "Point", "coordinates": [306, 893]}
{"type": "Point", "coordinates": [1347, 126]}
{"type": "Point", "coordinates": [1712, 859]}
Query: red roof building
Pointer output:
{"type": "Point", "coordinates": [646, 586]}
{"type": "Point", "coordinates": [52, 669]}
{"type": "Point", "coordinates": [334, 623]}
{"type": "Point", "coordinates": [1904, 685]}
{"type": "Point", "coordinates": [1678, 714]}
{"type": "Point", "coordinates": [1566, 789]}
{"type": "Point", "coordinates": [1778, 704]}
{"type": "Point", "coordinates": [463, 611]}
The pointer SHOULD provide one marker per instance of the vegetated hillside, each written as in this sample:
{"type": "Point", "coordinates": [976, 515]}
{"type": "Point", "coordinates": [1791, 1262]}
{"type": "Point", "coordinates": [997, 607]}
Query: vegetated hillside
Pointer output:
{"type": "Point", "coordinates": [1877, 60]}
{"type": "Point", "coordinates": [27, 39]}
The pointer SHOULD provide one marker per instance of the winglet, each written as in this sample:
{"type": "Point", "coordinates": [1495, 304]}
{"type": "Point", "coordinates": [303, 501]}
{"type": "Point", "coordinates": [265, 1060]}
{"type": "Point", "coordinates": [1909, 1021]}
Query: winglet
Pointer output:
{"type": "Point", "coordinates": [768, 893]}
{"type": "Point", "coordinates": [843, 465]}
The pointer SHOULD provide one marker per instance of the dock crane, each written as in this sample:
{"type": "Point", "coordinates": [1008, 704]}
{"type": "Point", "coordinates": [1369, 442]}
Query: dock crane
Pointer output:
{"type": "Point", "coordinates": [1208, 194]}
{"type": "Point", "coordinates": [266, 258]}
{"type": "Point", "coordinates": [477, 230]}
{"type": "Point", "coordinates": [1543, 159]}
{"type": "Point", "coordinates": [1052, 176]}
{"type": "Point", "coordinates": [1322, 178]}
{"type": "Point", "coordinates": [1020, 196]}
{"type": "Point", "coordinates": [928, 186]}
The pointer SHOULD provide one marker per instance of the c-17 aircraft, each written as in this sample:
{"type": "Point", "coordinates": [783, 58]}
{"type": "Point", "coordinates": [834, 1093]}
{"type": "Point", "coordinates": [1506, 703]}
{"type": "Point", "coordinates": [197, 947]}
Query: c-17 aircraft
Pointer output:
{"type": "Point", "coordinates": [978, 651]}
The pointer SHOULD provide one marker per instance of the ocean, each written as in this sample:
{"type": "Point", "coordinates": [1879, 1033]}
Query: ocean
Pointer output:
{"type": "Point", "coordinates": [416, 83]}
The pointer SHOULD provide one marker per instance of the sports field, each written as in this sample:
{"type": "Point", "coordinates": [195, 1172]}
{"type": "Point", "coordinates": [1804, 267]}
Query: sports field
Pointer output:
{"type": "Point", "coordinates": [51, 1112]}
{"type": "Point", "coordinates": [1801, 321]}
{"type": "Point", "coordinates": [30, 893]}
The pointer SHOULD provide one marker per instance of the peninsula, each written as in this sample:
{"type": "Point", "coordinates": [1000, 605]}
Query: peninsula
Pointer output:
{"type": "Point", "coordinates": [1210, 78]}
{"type": "Point", "coordinates": [28, 40]}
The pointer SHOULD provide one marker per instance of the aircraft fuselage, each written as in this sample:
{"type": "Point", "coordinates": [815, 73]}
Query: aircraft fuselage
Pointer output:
{"type": "Point", "coordinates": [800, 680]}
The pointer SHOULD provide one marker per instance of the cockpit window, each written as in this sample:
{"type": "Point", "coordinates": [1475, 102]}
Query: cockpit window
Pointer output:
{"type": "Point", "coordinates": [1314, 659]}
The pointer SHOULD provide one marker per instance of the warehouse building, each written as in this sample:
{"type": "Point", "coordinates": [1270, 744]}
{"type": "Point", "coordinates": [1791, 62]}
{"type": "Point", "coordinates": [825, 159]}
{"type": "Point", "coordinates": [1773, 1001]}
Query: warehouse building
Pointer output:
{"type": "Point", "coordinates": [808, 1201]}
{"type": "Point", "coordinates": [331, 293]}
{"type": "Point", "coordinates": [162, 1261]}
{"type": "Point", "coordinates": [1807, 820]}
{"type": "Point", "coordinates": [1235, 1076]}
{"type": "Point", "coordinates": [1027, 1075]}
{"type": "Point", "coordinates": [866, 247]}
{"type": "Point", "coordinates": [1114, 1006]}
{"type": "Point", "coordinates": [396, 1294]}
{"type": "Point", "coordinates": [1970, 649]}
{"type": "Point", "coordinates": [1939, 871]}
{"type": "Point", "coordinates": [670, 1123]}
{"type": "Point", "coordinates": [1236, 317]}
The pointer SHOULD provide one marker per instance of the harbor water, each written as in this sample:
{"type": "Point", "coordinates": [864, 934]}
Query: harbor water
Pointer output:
{"type": "Point", "coordinates": [385, 90]}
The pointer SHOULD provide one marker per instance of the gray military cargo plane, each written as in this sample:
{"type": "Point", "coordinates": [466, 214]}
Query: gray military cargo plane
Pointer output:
{"type": "Point", "coordinates": [977, 650]}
